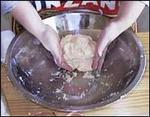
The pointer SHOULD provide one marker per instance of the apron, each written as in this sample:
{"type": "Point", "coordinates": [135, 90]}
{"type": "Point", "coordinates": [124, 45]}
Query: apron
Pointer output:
{"type": "Point", "coordinates": [50, 8]}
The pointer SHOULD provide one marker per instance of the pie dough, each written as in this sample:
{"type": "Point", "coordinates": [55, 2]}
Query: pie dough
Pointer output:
{"type": "Point", "coordinates": [78, 51]}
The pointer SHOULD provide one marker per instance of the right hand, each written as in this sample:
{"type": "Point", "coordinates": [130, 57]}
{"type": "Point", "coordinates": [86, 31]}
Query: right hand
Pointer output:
{"type": "Point", "coordinates": [51, 41]}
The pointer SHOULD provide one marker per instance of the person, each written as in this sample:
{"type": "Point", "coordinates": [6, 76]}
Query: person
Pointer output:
{"type": "Point", "coordinates": [128, 13]}
{"type": "Point", "coordinates": [28, 17]}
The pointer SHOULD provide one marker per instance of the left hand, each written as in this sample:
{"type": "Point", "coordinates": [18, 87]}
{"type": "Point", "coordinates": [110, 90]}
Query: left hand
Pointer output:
{"type": "Point", "coordinates": [101, 49]}
{"type": "Point", "coordinates": [109, 34]}
{"type": "Point", "coordinates": [128, 13]}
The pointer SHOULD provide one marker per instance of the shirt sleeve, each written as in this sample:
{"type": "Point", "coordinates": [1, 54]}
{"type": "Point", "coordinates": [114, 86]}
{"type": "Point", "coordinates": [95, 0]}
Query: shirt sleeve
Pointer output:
{"type": "Point", "coordinates": [7, 6]}
{"type": "Point", "coordinates": [145, 2]}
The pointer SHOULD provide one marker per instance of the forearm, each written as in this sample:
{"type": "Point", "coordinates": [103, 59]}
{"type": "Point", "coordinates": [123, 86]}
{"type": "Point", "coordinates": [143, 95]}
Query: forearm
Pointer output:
{"type": "Point", "coordinates": [128, 13]}
{"type": "Point", "coordinates": [28, 17]}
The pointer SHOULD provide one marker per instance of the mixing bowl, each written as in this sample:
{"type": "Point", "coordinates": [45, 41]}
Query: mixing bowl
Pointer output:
{"type": "Point", "coordinates": [33, 72]}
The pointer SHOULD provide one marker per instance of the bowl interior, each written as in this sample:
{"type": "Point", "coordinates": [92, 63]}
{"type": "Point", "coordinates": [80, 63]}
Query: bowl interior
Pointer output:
{"type": "Point", "coordinates": [31, 66]}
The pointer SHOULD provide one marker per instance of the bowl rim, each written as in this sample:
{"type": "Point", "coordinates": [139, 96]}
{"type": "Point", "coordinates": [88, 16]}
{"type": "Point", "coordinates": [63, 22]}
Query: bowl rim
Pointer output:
{"type": "Point", "coordinates": [83, 108]}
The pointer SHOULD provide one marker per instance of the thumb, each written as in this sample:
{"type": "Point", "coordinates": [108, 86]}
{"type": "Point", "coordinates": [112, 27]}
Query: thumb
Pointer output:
{"type": "Point", "coordinates": [95, 60]}
{"type": "Point", "coordinates": [102, 46]}
{"type": "Point", "coordinates": [60, 61]}
{"type": "Point", "coordinates": [99, 53]}
{"type": "Point", "coordinates": [57, 54]}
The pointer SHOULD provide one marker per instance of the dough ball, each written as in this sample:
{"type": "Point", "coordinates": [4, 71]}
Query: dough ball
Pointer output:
{"type": "Point", "coordinates": [78, 51]}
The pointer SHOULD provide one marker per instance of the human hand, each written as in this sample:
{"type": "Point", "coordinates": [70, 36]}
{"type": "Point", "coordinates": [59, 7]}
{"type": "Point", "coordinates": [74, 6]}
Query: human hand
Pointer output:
{"type": "Point", "coordinates": [128, 13]}
{"type": "Point", "coordinates": [112, 30]}
{"type": "Point", "coordinates": [28, 17]}
{"type": "Point", "coordinates": [101, 49]}
{"type": "Point", "coordinates": [50, 40]}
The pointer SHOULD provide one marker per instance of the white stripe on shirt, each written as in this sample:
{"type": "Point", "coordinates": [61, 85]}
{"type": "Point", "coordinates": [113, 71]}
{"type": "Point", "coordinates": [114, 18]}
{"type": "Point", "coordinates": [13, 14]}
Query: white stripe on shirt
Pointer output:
{"type": "Point", "coordinates": [38, 5]}
{"type": "Point", "coordinates": [54, 3]}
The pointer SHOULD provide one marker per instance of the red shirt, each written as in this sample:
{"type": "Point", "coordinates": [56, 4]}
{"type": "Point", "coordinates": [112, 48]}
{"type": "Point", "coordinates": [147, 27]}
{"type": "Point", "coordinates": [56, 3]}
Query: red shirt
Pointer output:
{"type": "Point", "coordinates": [109, 8]}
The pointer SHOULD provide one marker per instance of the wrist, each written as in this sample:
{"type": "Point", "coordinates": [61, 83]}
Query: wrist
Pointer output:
{"type": "Point", "coordinates": [110, 31]}
{"type": "Point", "coordinates": [40, 33]}
{"type": "Point", "coordinates": [114, 29]}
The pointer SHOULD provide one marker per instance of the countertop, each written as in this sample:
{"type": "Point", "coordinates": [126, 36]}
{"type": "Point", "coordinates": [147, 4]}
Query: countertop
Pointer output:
{"type": "Point", "coordinates": [135, 103]}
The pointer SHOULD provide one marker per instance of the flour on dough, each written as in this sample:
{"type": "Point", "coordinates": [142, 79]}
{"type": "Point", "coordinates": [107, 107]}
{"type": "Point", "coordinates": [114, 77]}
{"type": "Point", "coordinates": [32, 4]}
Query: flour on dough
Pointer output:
{"type": "Point", "coordinates": [78, 51]}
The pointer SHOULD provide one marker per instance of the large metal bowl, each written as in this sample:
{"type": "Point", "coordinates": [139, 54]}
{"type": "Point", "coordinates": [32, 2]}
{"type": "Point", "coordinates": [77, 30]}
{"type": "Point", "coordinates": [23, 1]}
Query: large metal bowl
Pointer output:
{"type": "Point", "coordinates": [30, 66]}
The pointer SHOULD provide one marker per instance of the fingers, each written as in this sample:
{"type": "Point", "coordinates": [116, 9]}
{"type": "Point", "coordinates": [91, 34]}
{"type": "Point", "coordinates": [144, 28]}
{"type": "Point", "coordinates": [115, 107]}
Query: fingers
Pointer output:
{"type": "Point", "coordinates": [99, 60]}
{"type": "Point", "coordinates": [66, 66]}
{"type": "Point", "coordinates": [57, 54]}
{"type": "Point", "coordinates": [51, 42]}
{"type": "Point", "coordinates": [102, 58]}
{"type": "Point", "coordinates": [100, 53]}
{"type": "Point", "coordinates": [95, 61]}
{"type": "Point", "coordinates": [60, 61]}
